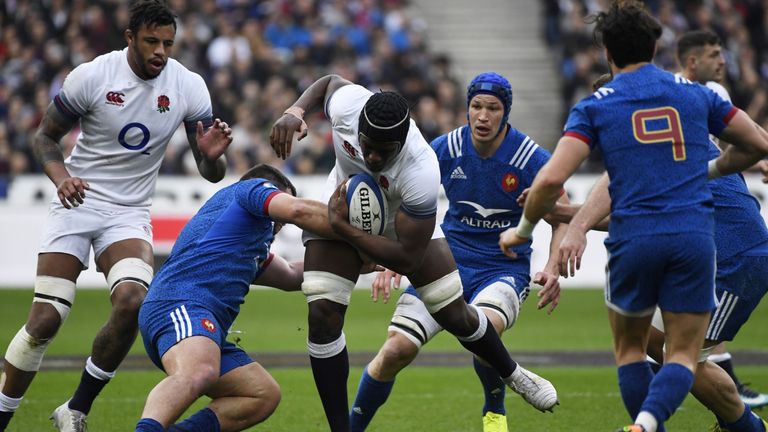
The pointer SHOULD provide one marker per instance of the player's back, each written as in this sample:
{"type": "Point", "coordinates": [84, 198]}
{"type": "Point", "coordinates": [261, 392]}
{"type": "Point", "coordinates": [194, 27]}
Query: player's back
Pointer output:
{"type": "Point", "coordinates": [220, 250]}
{"type": "Point", "coordinates": [653, 129]}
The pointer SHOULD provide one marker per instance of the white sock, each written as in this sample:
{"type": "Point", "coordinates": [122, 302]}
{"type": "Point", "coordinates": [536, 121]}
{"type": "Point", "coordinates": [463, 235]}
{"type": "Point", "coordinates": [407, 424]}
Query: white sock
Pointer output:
{"type": "Point", "coordinates": [9, 404]}
{"type": "Point", "coordinates": [647, 420]}
{"type": "Point", "coordinates": [96, 372]}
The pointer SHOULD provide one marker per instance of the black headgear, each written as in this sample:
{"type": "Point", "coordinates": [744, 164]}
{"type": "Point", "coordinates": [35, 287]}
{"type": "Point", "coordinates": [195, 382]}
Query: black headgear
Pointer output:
{"type": "Point", "coordinates": [385, 117]}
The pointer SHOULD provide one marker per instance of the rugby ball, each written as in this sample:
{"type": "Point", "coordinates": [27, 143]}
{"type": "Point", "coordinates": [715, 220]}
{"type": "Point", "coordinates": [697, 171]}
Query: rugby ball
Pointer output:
{"type": "Point", "coordinates": [367, 204]}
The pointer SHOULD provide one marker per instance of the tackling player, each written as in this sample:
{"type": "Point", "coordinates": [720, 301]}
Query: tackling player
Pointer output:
{"type": "Point", "coordinates": [652, 128]}
{"type": "Point", "coordinates": [128, 104]}
{"type": "Point", "coordinates": [484, 166]}
{"type": "Point", "coordinates": [196, 296]}
{"type": "Point", "coordinates": [374, 133]}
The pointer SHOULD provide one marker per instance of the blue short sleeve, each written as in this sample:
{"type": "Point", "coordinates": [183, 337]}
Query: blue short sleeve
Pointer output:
{"type": "Point", "coordinates": [720, 112]}
{"type": "Point", "coordinates": [254, 196]}
{"type": "Point", "coordinates": [579, 125]}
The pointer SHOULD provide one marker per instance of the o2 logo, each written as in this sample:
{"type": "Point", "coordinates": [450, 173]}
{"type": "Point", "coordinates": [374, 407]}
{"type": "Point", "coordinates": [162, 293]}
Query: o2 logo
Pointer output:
{"type": "Point", "coordinates": [141, 144]}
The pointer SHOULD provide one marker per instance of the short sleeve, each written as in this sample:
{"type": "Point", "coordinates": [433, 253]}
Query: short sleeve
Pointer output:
{"type": "Point", "coordinates": [420, 189]}
{"type": "Point", "coordinates": [75, 98]}
{"type": "Point", "coordinates": [579, 125]}
{"type": "Point", "coordinates": [720, 112]}
{"type": "Point", "coordinates": [344, 106]}
{"type": "Point", "coordinates": [255, 195]}
{"type": "Point", "coordinates": [198, 102]}
{"type": "Point", "coordinates": [720, 90]}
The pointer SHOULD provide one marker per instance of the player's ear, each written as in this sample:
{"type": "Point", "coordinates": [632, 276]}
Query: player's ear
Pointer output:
{"type": "Point", "coordinates": [128, 34]}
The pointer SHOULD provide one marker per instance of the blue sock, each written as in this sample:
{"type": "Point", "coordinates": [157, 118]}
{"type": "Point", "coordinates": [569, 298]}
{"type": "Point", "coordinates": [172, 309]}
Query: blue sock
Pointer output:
{"type": "Point", "coordinates": [493, 387]}
{"type": "Point", "coordinates": [371, 394]}
{"type": "Point", "coordinates": [149, 425]}
{"type": "Point", "coordinates": [667, 391]}
{"type": "Point", "coordinates": [634, 380]}
{"type": "Point", "coordinates": [204, 420]}
{"type": "Point", "coordinates": [748, 422]}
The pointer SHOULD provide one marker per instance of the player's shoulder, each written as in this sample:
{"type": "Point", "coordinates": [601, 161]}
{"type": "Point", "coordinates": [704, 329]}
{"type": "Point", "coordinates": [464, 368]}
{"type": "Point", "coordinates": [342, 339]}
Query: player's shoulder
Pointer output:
{"type": "Point", "coordinates": [449, 145]}
{"type": "Point", "coordinates": [350, 95]}
{"type": "Point", "coordinates": [523, 148]}
{"type": "Point", "coordinates": [176, 71]}
{"type": "Point", "coordinates": [719, 89]}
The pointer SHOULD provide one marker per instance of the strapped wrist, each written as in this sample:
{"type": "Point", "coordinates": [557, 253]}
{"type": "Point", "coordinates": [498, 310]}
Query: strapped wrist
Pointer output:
{"type": "Point", "coordinates": [524, 227]}
{"type": "Point", "coordinates": [295, 111]}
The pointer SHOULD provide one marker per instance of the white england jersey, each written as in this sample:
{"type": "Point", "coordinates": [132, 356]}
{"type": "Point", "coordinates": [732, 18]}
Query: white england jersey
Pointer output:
{"type": "Point", "coordinates": [126, 123]}
{"type": "Point", "coordinates": [410, 181]}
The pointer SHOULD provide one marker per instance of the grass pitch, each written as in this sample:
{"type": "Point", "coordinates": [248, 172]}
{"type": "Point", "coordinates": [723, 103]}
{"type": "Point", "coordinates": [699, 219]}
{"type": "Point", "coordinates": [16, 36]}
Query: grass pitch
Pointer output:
{"type": "Point", "coordinates": [424, 398]}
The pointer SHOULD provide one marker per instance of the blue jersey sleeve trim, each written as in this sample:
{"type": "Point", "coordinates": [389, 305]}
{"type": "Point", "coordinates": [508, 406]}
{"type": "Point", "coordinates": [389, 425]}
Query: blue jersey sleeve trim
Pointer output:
{"type": "Point", "coordinates": [268, 200]}
{"type": "Point", "coordinates": [731, 114]}
{"type": "Point", "coordinates": [578, 136]}
{"type": "Point", "coordinates": [65, 109]}
{"type": "Point", "coordinates": [191, 125]}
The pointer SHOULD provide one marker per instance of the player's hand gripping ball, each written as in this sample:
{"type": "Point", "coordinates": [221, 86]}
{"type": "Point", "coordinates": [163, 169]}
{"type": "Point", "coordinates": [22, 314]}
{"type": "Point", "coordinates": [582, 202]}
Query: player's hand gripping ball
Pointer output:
{"type": "Point", "coordinates": [367, 204]}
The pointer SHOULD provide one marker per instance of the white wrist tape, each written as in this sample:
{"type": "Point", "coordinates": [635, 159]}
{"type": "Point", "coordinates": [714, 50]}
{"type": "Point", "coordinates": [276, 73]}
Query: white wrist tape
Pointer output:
{"type": "Point", "coordinates": [524, 228]}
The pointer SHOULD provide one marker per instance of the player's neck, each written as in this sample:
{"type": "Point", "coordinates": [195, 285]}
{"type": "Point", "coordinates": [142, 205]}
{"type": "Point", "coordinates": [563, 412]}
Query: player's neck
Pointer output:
{"type": "Point", "coordinates": [689, 75]}
{"type": "Point", "coordinates": [486, 149]}
{"type": "Point", "coordinates": [628, 68]}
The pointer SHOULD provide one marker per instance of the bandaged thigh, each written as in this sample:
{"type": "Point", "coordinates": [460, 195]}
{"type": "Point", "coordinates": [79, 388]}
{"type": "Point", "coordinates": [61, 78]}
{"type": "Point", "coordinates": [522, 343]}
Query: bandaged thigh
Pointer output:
{"type": "Point", "coordinates": [412, 319]}
{"type": "Point", "coordinates": [328, 286]}
{"type": "Point", "coordinates": [501, 299]}
{"type": "Point", "coordinates": [130, 270]}
{"type": "Point", "coordinates": [438, 294]}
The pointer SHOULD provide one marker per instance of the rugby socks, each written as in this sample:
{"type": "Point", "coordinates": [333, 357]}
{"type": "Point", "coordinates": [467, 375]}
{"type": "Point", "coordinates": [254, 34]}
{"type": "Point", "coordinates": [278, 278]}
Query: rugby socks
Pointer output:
{"type": "Point", "coordinates": [149, 425]}
{"type": "Point", "coordinates": [748, 422]}
{"type": "Point", "coordinates": [204, 420]}
{"type": "Point", "coordinates": [92, 382]}
{"type": "Point", "coordinates": [371, 394]}
{"type": "Point", "coordinates": [666, 393]}
{"type": "Point", "coordinates": [486, 344]}
{"type": "Point", "coordinates": [634, 380]}
{"type": "Point", "coordinates": [8, 406]}
{"type": "Point", "coordinates": [330, 368]}
{"type": "Point", "coordinates": [494, 388]}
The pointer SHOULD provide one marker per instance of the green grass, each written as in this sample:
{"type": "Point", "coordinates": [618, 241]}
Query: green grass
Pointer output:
{"type": "Point", "coordinates": [425, 398]}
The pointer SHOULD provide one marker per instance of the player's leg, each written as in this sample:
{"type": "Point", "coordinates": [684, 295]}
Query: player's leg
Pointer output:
{"type": "Point", "coordinates": [330, 271]}
{"type": "Point", "coordinates": [126, 264]}
{"type": "Point", "coordinates": [410, 328]}
{"type": "Point", "coordinates": [244, 395]}
{"type": "Point", "coordinates": [440, 289]}
{"type": "Point", "coordinates": [500, 302]}
{"type": "Point", "coordinates": [193, 366]}
{"type": "Point", "coordinates": [742, 282]}
{"type": "Point", "coordinates": [54, 296]}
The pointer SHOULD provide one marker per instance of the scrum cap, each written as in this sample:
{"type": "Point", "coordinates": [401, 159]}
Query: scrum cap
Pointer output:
{"type": "Point", "coordinates": [385, 117]}
{"type": "Point", "coordinates": [495, 85]}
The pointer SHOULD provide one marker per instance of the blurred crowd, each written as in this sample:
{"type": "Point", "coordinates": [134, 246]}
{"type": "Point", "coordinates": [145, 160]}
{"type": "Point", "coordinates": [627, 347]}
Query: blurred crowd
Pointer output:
{"type": "Point", "coordinates": [741, 25]}
{"type": "Point", "coordinates": [256, 57]}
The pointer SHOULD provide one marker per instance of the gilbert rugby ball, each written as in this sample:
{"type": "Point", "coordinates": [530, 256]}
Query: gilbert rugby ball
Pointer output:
{"type": "Point", "coordinates": [367, 204]}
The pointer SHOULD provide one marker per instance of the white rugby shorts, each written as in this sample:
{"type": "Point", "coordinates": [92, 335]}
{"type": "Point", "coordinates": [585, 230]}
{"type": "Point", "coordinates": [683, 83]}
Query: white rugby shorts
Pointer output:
{"type": "Point", "coordinates": [92, 224]}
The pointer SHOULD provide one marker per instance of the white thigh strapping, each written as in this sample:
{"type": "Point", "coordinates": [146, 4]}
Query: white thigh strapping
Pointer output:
{"type": "Point", "coordinates": [438, 294]}
{"type": "Point", "coordinates": [412, 319]}
{"type": "Point", "coordinates": [58, 292]}
{"type": "Point", "coordinates": [500, 299]}
{"type": "Point", "coordinates": [130, 270]}
{"type": "Point", "coordinates": [324, 285]}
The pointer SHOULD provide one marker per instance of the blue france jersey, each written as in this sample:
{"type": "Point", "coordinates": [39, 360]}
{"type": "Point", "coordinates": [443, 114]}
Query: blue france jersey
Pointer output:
{"type": "Point", "coordinates": [220, 251]}
{"type": "Point", "coordinates": [739, 226]}
{"type": "Point", "coordinates": [483, 193]}
{"type": "Point", "coordinates": [653, 129]}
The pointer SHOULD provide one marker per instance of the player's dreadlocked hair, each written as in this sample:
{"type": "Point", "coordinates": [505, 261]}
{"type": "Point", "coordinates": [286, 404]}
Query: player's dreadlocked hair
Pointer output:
{"type": "Point", "coordinates": [150, 13]}
{"type": "Point", "coordinates": [385, 117]}
{"type": "Point", "coordinates": [628, 31]}
{"type": "Point", "coordinates": [601, 81]}
{"type": "Point", "coordinates": [272, 174]}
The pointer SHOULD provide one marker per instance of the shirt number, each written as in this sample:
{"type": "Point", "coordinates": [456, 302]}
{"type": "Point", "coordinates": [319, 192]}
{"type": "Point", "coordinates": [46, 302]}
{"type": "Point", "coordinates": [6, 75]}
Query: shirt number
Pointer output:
{"type": "Point", "coordinates": [641, 119]}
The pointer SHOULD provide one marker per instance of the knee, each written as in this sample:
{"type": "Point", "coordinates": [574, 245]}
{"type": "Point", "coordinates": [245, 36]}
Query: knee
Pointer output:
{"type": "Point", "coordinates": [397, 353]}
{"type": "Point", "coordinates": [127, 299]}
{"type": "Point", "coordinates": [202, 378]}
{"type": "Point", "coordinates": [325, 320]}
{"type": "Point", "coordinates": [43, 322]}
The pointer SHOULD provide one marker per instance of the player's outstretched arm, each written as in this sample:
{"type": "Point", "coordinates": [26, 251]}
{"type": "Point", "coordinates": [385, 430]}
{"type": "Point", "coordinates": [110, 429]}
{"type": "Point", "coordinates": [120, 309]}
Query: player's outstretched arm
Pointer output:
{"type": "Point", "coordinates": [750, 145]}
{"type": "Point", "coordinates": [208, 148]}
{"type": "Point", "coordinates": [306, 214]}
{"type": "Point", "coordinates": [292, 120]}
{"type": "Point", "coordinates": [45, 146]}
